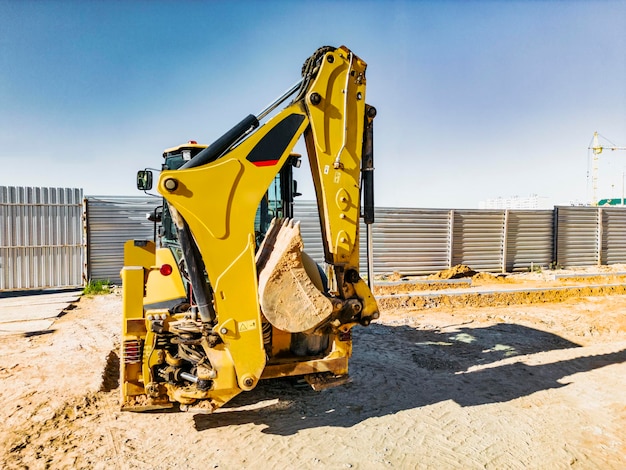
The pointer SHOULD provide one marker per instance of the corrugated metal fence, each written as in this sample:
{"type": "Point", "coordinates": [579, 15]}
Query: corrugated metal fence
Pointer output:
{"type": "Point", "coordinates": [412, 241]}
{"type": "Point", "coordinates": [41, 238]}
{"type": "Point", "coordinates": [42, 242]}
{"type": "Point", "coordinates": [424, 241]}
{"type": "Point", "coordinates": [589, 236]}
{"type": "Point", "coordinates": [112, 221]}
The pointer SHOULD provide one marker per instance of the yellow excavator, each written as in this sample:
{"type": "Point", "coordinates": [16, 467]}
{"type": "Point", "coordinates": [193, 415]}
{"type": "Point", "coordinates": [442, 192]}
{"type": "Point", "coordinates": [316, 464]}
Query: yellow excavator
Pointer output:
{"type": "Point", "coordinates": [226, 296]}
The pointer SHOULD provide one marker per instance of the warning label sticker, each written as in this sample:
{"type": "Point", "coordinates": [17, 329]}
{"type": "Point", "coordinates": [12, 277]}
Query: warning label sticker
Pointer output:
{"type": "Point", "coordinates": [247, 325]}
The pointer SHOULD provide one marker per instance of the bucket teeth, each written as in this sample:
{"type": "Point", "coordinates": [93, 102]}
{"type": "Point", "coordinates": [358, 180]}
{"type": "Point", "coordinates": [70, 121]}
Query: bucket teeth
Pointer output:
{"type": "Point", "coordinates": [289, 299]}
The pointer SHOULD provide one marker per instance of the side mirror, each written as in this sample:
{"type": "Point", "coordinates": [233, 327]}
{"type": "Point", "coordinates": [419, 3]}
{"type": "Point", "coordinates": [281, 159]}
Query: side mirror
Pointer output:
{"type": "Point", "coordinates": [144, 180]}
{"type": "Point", "coordinates": [296, 160]}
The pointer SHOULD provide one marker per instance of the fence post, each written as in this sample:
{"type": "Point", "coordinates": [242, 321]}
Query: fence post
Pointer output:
{"type": "Point", "coordinates": [599, 237]}
{"type": "Point", "coordinates": [505, 230]}
{"type": "Point", "coordinates": [85, 242]}
{"type": "Point", "coordinates": [450, 237]}
{"type": "Point", "coordinates": [555, 237]}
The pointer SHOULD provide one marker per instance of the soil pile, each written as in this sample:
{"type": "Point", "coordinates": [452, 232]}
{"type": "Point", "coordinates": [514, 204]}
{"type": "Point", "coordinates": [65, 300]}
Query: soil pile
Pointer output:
{"type": "Point", "coordinates": [455, 272]}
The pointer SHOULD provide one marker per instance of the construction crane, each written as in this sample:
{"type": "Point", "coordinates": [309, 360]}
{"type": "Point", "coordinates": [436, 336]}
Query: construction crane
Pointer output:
{"type": "Point", "coordinates": [597, 149]}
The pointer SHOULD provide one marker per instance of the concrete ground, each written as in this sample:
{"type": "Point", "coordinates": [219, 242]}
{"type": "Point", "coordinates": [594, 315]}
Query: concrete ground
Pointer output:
{"type": "Point", "coordinates": [31, 313]}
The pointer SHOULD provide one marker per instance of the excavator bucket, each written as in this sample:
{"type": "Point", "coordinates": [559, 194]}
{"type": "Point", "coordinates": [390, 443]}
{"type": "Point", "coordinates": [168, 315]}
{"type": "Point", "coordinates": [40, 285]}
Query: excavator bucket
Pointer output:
{"type": "Point", "coordinates": [289, 298]}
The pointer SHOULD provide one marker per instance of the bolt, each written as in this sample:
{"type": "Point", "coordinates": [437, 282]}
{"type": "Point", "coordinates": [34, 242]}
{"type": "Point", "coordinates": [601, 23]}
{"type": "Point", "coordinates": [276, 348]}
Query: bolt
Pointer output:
{"type": "Point", "coordinates": [315, 98]}
{"type": "Point", "coordinates": [352, 276]}
{"type": "Point", "coordinates": [371, 112]}
{"type": "Point", "coordinates": [223, 331]}
{"type": "Point", "coordinates": [170, 184]}
{"type": "Point", "coordinates": [248, 382]}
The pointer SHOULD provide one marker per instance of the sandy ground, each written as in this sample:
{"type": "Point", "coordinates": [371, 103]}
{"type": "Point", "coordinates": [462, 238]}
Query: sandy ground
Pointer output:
{"type": "Point", "coordinates": [537, 385]}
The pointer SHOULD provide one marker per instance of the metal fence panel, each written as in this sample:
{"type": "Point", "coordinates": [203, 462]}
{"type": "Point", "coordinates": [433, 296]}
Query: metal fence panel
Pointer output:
{"type": "Point", "coordinates": [112, 221]}
{"type": "Point", "coordinates": [41, 238]}
{"type": "Point", "coordinates": [409, 241]}
{"type": "Point", "coordinates": [578, 236]}
{"type": "Point", "coordinates": [478, 239]}
{"type": "Point", "coordinates": [529, 239]}
{"type": "Point", "coordinates": [613, 235]}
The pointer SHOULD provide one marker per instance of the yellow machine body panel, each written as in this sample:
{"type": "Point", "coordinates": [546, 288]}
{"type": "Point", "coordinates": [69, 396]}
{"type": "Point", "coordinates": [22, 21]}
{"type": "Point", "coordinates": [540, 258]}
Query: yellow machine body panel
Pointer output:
{"type": "Point", "coordinates": [139, 253]}
{"type": "Point", "coordinates": [218, 201]}
{"type": "Point", "coordinates": [163, 289]}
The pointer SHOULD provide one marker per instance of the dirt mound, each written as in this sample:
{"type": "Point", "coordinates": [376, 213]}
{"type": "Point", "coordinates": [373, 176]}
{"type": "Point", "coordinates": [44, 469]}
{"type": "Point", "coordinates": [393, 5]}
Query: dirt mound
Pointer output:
{"type": "Point", "coordinates": [409, 286]}
{"type": "Point", "coordinates": [488, 278]}
{"type": "Point", "coordinates": [455, 272]}
{"type": "Point", "coordinates": [497, 299]}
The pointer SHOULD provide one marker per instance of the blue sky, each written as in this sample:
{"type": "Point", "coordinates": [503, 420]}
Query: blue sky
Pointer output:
{"type": "Point", "coordinates": [475, 99]}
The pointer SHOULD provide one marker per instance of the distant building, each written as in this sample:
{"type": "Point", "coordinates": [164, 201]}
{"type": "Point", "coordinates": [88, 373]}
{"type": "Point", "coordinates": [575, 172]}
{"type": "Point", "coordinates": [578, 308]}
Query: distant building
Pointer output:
{"type": "Point", "coordinates": [515, 202]}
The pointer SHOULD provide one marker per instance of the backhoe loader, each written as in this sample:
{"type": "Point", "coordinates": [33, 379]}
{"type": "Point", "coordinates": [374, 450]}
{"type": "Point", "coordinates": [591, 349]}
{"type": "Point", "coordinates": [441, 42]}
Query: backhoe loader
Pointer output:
{"type": "Point", "coordinates": [227, 296]}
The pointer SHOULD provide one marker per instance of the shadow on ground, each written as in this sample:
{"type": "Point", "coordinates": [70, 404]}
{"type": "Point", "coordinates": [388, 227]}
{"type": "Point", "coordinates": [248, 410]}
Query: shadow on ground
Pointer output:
{"type": "Point", "coordinates": [36, 292]}
{"type": "Point", "coordinates": [396, 368]}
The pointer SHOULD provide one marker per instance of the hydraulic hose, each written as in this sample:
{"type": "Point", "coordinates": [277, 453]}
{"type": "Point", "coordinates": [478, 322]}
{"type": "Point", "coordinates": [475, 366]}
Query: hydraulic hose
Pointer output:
{"type": "Point", "coordinates": [221, 145]}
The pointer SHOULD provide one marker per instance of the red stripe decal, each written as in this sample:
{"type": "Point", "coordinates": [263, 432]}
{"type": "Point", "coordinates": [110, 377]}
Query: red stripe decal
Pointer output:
{"type": "Point", "coordinates": [266, 163]}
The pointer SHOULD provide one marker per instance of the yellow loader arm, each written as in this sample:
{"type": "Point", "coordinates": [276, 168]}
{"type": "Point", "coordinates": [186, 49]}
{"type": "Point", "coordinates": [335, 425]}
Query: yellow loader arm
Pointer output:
{"type": "Point", "coordinates": [213, 199]}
